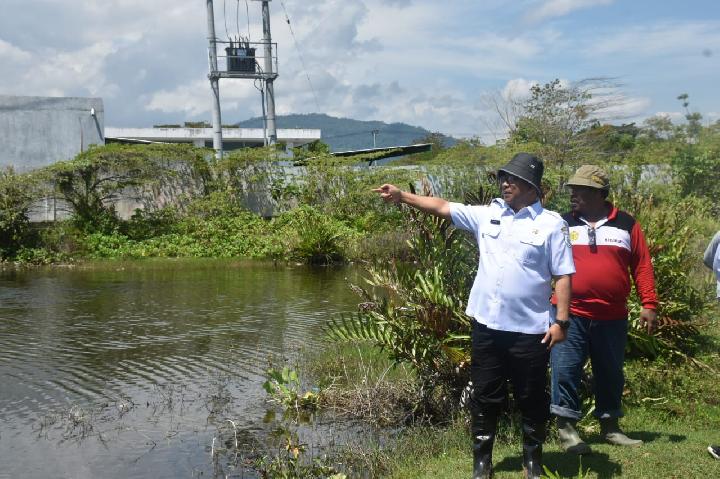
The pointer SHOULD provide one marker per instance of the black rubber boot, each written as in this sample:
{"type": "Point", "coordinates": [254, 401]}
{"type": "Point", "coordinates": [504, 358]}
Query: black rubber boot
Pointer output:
{"type": "Point", "coordinates": [483, 428]}
{"type": "Point", "coordinates": [533, 437]}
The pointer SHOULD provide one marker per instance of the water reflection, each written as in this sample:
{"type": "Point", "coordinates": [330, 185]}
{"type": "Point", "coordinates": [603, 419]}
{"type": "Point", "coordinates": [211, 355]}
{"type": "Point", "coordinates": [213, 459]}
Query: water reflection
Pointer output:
{"type": "Point", "coordinates": [141, 349]}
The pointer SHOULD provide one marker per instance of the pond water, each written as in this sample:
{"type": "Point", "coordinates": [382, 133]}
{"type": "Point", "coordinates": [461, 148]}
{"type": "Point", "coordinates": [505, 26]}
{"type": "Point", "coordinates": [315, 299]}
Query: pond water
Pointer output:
{"type": "Point", "coordinates": [123, 370]}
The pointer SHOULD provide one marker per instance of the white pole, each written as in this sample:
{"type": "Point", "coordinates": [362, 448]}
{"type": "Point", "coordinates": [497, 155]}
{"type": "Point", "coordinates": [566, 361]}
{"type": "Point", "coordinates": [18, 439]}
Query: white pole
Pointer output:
{"type": "Point", "coordinates": [269, 89]}
{"type": "Point", "coordinates": [214, 83]}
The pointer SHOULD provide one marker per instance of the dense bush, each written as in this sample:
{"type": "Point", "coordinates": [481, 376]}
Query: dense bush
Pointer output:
{"type": "Point", "coordinates": [314, 237]}
{"type": "Point", "coordinates": [16, 198]}
{"type": "Point", "coordinates": [670, 230]}
{"type": "Point", "coordinates": [92, 182]}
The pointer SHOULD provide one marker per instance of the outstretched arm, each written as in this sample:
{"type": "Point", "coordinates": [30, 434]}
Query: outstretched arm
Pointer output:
{"type": "Point", "coordinates": [428, 204]}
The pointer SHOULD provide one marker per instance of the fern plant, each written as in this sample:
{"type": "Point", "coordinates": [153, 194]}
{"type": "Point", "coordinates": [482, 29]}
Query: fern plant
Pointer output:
{"type": "Point", "coordinates": [415, 311]}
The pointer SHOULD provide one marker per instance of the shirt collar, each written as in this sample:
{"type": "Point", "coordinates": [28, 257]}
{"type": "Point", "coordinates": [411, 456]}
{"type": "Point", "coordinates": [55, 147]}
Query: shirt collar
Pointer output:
{"type": "Point", "coordinates": [533, 209]}
{"type": "Point", "coordinates": [610, 216]}
{"type": "Point", "coordinates": [613, 211]}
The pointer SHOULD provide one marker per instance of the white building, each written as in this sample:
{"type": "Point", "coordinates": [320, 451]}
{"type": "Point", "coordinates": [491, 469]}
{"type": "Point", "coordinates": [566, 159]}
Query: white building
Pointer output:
{"type": "Point", "coordinates": [232, 137]}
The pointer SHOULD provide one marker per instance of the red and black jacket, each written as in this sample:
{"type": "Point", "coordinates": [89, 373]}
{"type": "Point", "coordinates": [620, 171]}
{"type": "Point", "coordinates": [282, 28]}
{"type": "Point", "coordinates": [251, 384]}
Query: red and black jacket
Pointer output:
{"type": "Point", "coordinates": [601, 283]}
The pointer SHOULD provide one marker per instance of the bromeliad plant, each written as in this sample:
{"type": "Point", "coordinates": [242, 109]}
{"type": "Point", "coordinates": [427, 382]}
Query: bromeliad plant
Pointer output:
{"type": "Point", "coordinates": [415, 311]}
{"type": "Point", "coordinates": [283, 387]}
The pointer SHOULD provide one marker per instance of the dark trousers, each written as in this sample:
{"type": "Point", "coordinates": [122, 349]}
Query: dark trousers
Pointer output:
{"type": "Point", "coordinates": [499, 356]}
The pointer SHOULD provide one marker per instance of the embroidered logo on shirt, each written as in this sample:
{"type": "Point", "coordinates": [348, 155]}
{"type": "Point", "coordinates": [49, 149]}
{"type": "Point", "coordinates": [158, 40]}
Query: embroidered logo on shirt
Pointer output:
{"type": "Point", "coordinates": [574, 235]}
{"type": "Point", "coordinates": [566, 234]}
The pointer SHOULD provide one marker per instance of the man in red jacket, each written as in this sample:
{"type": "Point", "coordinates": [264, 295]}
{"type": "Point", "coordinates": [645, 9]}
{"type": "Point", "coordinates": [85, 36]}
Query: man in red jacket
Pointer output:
{"type": "Point", "coordinates": [608, 247]}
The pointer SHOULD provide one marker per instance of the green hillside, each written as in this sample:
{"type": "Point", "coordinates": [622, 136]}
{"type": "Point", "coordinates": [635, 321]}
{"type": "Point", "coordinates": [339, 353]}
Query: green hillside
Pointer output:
{"type": "Point", "coordinates": [344, 134]}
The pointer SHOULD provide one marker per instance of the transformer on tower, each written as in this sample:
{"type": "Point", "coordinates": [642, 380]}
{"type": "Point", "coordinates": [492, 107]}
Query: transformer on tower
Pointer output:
{"type": "Point", "coordinates": [247, 60]}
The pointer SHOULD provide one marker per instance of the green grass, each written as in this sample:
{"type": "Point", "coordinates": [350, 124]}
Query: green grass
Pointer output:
{"type": "Point", "coordinates": [671, 450]}
{"type": "Point", "coordinates": [674, 408]}
{"type": "Point", "coordinates": [352, 364]}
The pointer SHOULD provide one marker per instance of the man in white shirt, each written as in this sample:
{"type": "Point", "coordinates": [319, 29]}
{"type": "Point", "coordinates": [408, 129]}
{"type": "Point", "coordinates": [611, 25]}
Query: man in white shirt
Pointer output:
{"type": "Point", "coordinates": [711, 258]}
{"type": "Point", "coordinates": [522, 248]}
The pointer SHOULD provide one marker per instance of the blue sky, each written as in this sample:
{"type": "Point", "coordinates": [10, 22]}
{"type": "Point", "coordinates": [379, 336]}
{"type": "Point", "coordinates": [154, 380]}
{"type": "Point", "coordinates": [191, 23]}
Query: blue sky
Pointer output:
{"type": "Point", "coordinates": [428, 63]}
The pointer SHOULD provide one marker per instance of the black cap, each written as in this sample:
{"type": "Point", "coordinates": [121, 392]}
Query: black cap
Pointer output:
{"type": "Point", "coordinates": [527, 167]}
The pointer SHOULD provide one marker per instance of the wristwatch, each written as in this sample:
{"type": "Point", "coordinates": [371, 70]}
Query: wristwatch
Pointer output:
{"type": "Point", "coordinates": [563, 323]}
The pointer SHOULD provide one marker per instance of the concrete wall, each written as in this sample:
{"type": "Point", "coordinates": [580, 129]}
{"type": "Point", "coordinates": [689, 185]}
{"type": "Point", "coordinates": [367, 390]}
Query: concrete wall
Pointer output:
{"type": "Point", "coordinates": [38, 131]}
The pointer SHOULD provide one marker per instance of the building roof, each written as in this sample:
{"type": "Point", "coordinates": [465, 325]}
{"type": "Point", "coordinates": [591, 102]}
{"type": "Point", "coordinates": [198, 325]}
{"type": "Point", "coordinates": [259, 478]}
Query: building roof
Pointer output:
{"type": "Point", "coordinates": [296, 137]}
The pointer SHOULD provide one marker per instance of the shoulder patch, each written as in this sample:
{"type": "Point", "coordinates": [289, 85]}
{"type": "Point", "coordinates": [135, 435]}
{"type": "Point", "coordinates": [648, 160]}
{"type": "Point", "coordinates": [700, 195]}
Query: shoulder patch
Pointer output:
{"type": "Point", "coordinates": [566, 234]}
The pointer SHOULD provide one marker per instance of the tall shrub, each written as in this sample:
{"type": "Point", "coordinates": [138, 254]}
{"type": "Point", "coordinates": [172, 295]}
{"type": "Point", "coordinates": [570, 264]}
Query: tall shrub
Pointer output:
{"type": "Point", "coordinates": [671, 237]}
{"type": "Point", "coordinates": [95, 179]}
{"type": "Point", "coordinates": [17, 193]}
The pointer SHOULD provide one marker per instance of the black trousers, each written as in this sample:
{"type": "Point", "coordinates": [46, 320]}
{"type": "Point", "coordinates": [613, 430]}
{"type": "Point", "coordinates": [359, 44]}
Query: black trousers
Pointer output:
{"type": "Point", "coordinates": [499, 356]}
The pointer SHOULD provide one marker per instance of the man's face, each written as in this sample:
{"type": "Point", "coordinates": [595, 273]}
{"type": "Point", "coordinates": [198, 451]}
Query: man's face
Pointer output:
{"type": "Point", "coordinates": [583, 198]}
{"type": "Point", "coordinates": [515, 191]}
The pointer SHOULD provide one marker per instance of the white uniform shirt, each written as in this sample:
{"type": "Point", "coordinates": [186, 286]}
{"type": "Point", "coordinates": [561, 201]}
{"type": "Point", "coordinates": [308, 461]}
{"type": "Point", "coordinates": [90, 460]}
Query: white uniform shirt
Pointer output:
{"type": "Point", "coordinates": [519, 254]}
{"type": "Point", "coordinates": [711, 258]}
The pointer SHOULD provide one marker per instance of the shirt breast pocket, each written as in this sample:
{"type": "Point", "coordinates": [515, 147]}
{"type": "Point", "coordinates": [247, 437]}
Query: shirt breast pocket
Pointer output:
{"type": "Point", "coordinates": [532, 250]}
{"type": "Point", "coordinates": [490, 239]}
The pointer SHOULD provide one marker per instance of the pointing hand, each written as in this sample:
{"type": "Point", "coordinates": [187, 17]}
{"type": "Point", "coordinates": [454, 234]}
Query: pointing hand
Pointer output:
{"type": "Point", "coordinates": [389, 193]}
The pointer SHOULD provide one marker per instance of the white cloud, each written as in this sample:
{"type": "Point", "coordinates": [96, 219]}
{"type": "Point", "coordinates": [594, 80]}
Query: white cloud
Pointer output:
{"type": "Point", "coordinates": [675, 116]}
{"type": "Point", "coordinates": [517, 88]}
{"type": "Point", "coordinates": [56, 73]}
{"type": "Point", "coordinates": [559, 8]}
{"type": "Point", "coordinates": [677, 38]}
{"type": "Point", "coordinates": [368, 59]}
{"type": "Point", "coordinates": [424, 62]}
{"type": "Point", "coordinates": [626, 107]}
{"type": "Point", "coordinates": [194, 99]}
{"type": "Point", "coordinates": [11, 53]}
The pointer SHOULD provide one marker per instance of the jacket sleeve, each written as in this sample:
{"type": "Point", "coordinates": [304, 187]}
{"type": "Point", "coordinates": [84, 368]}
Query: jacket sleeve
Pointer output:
{"type": "Point", "coordinates": [642, 269]}
{"type": "Point", "coordinates": [709, 256]}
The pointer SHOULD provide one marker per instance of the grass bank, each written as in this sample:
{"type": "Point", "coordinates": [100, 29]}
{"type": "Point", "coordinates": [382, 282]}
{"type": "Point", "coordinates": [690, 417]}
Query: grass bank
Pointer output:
{"type": "Point", "coordinates": [673, 407]}
{"type": "Point", "coordinates": [672, 449]}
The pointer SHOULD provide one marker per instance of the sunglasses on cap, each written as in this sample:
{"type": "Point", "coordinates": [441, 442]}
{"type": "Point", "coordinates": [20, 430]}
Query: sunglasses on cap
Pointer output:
{"type": "Point", "coordinates": [508, 178]}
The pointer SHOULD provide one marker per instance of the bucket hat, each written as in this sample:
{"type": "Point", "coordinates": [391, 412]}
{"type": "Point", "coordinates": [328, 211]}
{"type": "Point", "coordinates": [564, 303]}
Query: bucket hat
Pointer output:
{"type": "Point", "coordinates": [527, 167]}
{"type": "Point", "coordinates": [590, 175]}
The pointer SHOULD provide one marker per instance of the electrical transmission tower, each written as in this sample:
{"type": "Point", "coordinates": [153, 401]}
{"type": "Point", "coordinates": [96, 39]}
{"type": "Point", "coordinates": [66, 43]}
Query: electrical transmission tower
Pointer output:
{"type": "Point", "coordinates": [247, 60]}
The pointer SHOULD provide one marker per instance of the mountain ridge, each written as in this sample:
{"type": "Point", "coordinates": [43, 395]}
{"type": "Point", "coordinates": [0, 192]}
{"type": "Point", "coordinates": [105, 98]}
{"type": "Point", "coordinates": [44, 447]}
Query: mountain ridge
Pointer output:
{"type": "Point", "coordinates": [343, 134]}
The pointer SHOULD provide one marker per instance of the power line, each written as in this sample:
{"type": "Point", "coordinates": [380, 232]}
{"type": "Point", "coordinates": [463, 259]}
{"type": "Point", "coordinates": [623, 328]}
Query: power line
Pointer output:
{"type": "Point", "coordinates": [247, 12]}
{"type": "Point", "coordinates": [237, 18]}
{"type": "Point", "coordinates": [227, 34]}
{"type": "Point", "coordinates": [300, 55]}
